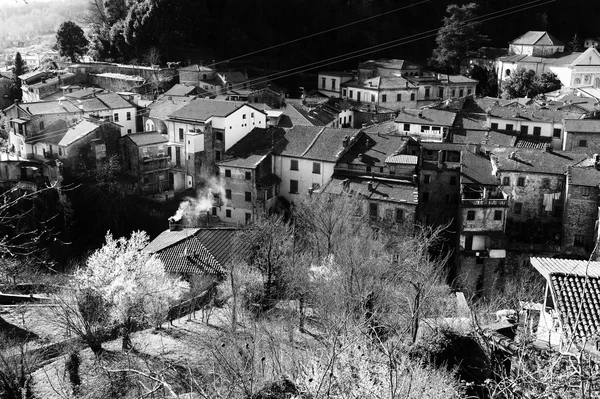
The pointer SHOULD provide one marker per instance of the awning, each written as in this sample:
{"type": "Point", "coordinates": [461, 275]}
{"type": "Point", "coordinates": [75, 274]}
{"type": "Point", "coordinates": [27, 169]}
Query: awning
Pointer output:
{"type": "Point", "coordinates": [19, 121]}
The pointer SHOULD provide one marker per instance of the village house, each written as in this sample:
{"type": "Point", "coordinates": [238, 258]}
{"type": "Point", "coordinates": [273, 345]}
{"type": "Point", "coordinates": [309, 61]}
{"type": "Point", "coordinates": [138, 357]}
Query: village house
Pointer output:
{"type": "Point", "coordinates": [591, 42]}
{"type": "Point", "coordinates": [145, 160]}
{"type": "Point", "coordinates": [540, 52]}
{"type": "Point", "coordinates": [308, 156]}
{"type": "Point", "coordinates": [249, 182]}
{"type": "Point", "coordinates": [46, 86]}
{"type": "Point", "coordinates": [381, 169]}
{"type": "Point", "coordinates": [330, 82]}
{"type": "Point", "coordinates": [387, 67]}
{"type": "Point", "coordinates": [541, 124]}
{"type": "Point", "coordinates": [582, 135]}
{"type": "Point", "coordinates": [86, 141]}
{"type": "Point", "coordinates": [335, 112]}
{"type": "Point", "coordinates": [569, 312]}
{"type": "Point", "coordinates": [580, 215]}
{"type": "Point", "coordinates": [481, 224]}
{"type": "Point", "coordinates": [534, 181]}
{"type": "Point", "coordinates": [439, 183]}
{"type": "Point", "coordinates": [426, 124]}
{"type": "Point", "coordinates": [382, 91]}
{"type": "Point", "coordinates": [193, 153]}
{"type": "Point", "coordinates": [182, 90]}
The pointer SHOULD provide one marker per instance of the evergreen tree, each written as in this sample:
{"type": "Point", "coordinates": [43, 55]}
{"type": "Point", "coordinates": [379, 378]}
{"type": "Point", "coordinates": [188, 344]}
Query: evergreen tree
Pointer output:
{"type": "Point", "coordinates": [71, 41]}
{"type": "Point", "coordinates": [457, 39]}
{"type": "Point", "coordinates": [574, 45]}
{"type": "Point", "coordinates": [19, 69]}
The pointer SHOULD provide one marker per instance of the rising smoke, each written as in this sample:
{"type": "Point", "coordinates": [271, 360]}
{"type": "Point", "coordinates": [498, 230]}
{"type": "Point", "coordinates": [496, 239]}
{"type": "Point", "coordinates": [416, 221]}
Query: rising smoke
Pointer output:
{"type": "Point", "coordinates": [193, 208]}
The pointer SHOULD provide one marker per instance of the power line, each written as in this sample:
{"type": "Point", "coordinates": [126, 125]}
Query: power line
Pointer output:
{"type": "Point", "coordinates": [318, 33]}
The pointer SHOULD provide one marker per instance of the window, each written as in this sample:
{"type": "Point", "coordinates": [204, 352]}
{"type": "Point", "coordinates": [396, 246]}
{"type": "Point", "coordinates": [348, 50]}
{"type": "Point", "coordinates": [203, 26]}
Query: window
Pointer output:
{"type": "Point", "coordinates": [248, 218]}
{"type": "Point", "coordinates": [251, 114]}
{"type": "Point", "coordinates": [407, 127]}
{"type": "Point", "coordinates": [333, 84]}
{"type": "Point", "coordinates": [545, 183]}
{"type": "Point", "coordinates": [293, 186]}
{"type": "Point", "coordinates": [116, 117]}
{"type": "Point", "coordinates": [470, 215]}
{"type": "Point", "coordinates": [425, 128]}
{"type": "Point", "coordinates": [461, 92]}
{"type": "Point", "coordinates": [169, 151]}
{"type": "Point", "coordinates": [219, 136]}
{"type": "Point", "coordinates": [384, 98]}
{"type": "Point", "coordinates": [479, 261]}
{"type": "Point", "coordinates": [426, 179]}
{"type": "Point", "coordinates": [556, 133]}
{"type": "Point", "coordinates": [469, 91]}
{"type": "Point", "coordinates": [128, 131]}
{"type": "Point", "coordinates": [344, 92]}
{"type": "Point", "coordinates": [59, 151]}
{"type": "Point", "coordinates": [582, 143]}
{"type": "Point", "coordinates": [351, 93]}
{"type": "Point", "coordinates": [323, 83]}
{"type": "Point", "coordinates": [373, 210]}
{"type": "Point", "coordinates": [441, 92]}
{"type": "Point", "coordinates": [243, 116]}
{"type": "Point", "coordinates": [129, 116]}
{"type": "Point", "coordinates": [372, 98]}
{"type": "Point", "coordinates": [412, 96]}
{"type": "Point", "coordinates": [585, 191]}
{"type": "Point", "coordinates": [214, 211]}
{"type": "Point", "coordinates": [521, 182]}
{"type": "Point", "coordinates": [227, 172]}
{"type": "Point", "coordinates": [518, 207]}
{"type": "Point", "coordinates": [537, 131]}
{"type": "Point", "coordinates": [494, 126]}
{"type": "Point", "coordinates": [228, 193]}
{"type": "Point", "coordinates": [42, 125]}
{"type": "Point", "coordinates": [248, 175]}
{"type": "Point", "coordinates": [399, 215]}
{"type": "Point", "coordinates": [524, 129]}
{"type": "Point", "coordinates": [427, 90]}
{"type": "Point", "coordinates": [425, 197]}
{"type": "Point", "coordinates": [217, 155]}
{"type": "Point", "coordinates": [316, 168]}
{"type": "Point", "coordinates": [579, 240]}
{"type": "Point", "coordinates": [399, 97]}
{"type": "Point", "coordinates": [509, 127]}
{"type": "Point", "coordinates": [227, 213]}
{"type": "Point", "coordinates": [180, 134]}
{"type": "Point", "coordinates": [293, 164]}
{"type": "Point", "coordinates": [453, 180]}
{"type": "Point", "coordinates": [506, 181]}
{"type": "Point", "coordinates": [560, 184]}
{"type": "Point", "coordinates": [453, 93]}
{"type": "Point", "coordinates": [497, 215]}
{"type": "Point", "coordinates": [248, 196]}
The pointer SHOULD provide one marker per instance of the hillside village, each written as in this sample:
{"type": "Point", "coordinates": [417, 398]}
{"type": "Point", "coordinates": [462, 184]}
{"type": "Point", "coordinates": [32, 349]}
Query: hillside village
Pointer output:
{"type": "Point", "coordinates": [511, 185]}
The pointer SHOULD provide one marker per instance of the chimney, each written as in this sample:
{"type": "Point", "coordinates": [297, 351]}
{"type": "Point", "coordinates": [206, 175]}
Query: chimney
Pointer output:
{"type": "Point", "coordinates": [174, 225]}
{"type": "Point", "coordinates": [415, 178]}
{"type": "Point", "coordinates": [370, 186]}
{"type": "Point", "coordinates": [361, 157]}
{"type": "Point", "coordinates": [420, 114]}
{"type": "Point", "coordinates": [346, 184]}
{"type": "Point", "coordinates": [512, 155]}
{"type": "Point", "coordinates": [548, 147]}
{"type": "Point", "coordinates": [346, 141]}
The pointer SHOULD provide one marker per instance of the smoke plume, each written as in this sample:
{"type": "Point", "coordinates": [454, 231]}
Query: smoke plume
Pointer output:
{"type": "Point", "coordinates": [192, 208]}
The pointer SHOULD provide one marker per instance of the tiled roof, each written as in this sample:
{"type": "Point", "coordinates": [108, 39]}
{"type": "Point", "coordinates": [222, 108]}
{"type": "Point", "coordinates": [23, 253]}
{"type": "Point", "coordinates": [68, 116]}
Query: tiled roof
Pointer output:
{"type": "Point", "coordinates": [554, 59]}
{"type": "Point", "coordinates": [383, 189]}
{"type": "Point", "coordinates": [205, 246]}
{"type": "Point", "coordinates": [535, 161]}
{"type": "Point", "coordinates": [114, 100]}
{"type": "Point", "coordinates": [49, 107]}
{"type": "Point", "coordinates": [426, 116]}
{"type": "Point", "coordinates": [77, 131]}
{"type": "Point", "coordinates": [315, 142]}
{"type": "Point", "coordinates": [575, 285]}
{"type": "Point", "coordinates": [52, 134]}
{"type": "Point", "coordinates": [471, 121]}
{"type": "Point", "coordinates": [539, 38]}
{"type": "Point", "coordinates": [147, 138]}
{"type": "Point", "coordinates": [528, 114]}
{"type": "Point", "coordinates": [201, 109]}
{"type": "Point", "coordinates": [165, 106]}
{"type": "Point", "coordinates": [180, 90]}
{"type": "Point", "coordinates": [476, 169]}
{"type": "Point", "coordinates": [375, 149]}
{"type": "Point", "coordinates": [249, 162]}
{"type": "Point", "coordinates": [85, 92]}
{"type": "Point", "coordinates": [584, 176]}
{"type": "Point", "coordinates": [582, 125]}
{"type": "Point", "coordinates": [234, 77]}
{"type": "Point", "coordinates": [258, 140]}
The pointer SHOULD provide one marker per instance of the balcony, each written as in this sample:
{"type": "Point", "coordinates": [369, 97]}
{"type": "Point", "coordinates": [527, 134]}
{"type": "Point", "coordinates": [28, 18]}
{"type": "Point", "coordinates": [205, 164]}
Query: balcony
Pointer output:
{"type": "Point", "coordinates": [155, 157]}
{"type": "Point", "coordinates": [176, 166]}
{"type": "Point", "coordinates": [157, 166]}
{"type": "Point", "coordinates": [489, 202]}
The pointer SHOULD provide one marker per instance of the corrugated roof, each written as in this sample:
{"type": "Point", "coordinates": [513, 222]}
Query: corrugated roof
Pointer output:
{"type": "Point", "coordinates": [427, 116]}
{"type": "Point", "coordinates": [582, 125]}
{"type": "Point", "coordinates": [539, 38]}
{"type": "Point", "coordinates": [402, 159]}
{"type": "Point", "coordinates": [548, 266]}
{"type": "Point", "coordinates": [535, 161]}
{"type": "Point", "coordinates": [148, 138]}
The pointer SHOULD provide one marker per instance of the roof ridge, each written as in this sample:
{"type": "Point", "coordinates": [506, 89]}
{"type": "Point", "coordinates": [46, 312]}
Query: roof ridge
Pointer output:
{"type": "Point", "coordinates": [313, 141]}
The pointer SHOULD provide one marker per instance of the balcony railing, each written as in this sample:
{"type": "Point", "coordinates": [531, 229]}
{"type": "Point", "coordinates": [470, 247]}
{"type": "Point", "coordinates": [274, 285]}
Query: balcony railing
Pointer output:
{"type": "Point", "coordinates": [155, 157]}
{"type": "Point", "coordinates": [484, 202]}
